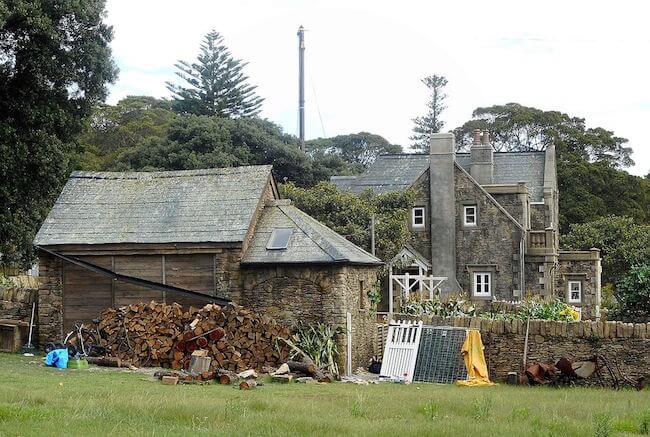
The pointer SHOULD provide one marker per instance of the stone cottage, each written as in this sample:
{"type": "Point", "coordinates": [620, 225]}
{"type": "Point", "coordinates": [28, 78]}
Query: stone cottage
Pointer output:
{"type": "Point", "coordinates": [485, 223]}
{"type": "Point", "coordinates": [196, 236]}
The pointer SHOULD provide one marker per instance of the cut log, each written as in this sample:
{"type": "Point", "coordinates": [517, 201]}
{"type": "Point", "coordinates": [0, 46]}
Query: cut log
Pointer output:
{"type": "Point", "coordinates": [282, 378]}
{"type": "Point", "coordinates": [156, 334]}
{"type": "Point", "coordinates": [248, 374]}
{"type": "Point", "coordinates": [302, 367]}
{"type": "Point", "coordinates": [170, 380]}
{"type": "Point", "coordinates": [105, 361]}
{"type": "Point", "coordinates": [247, 384]}
{"type": "Point", "coordinates": [227, 377]}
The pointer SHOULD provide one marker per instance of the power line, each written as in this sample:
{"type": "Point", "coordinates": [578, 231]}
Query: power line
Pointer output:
{"type": "Point", "coordinates": [313, 88]}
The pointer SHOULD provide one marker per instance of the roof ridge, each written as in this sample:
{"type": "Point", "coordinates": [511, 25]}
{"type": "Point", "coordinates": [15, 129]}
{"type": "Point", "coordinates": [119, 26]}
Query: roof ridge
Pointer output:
{"type": "Point", "coordinates": [167, 173]}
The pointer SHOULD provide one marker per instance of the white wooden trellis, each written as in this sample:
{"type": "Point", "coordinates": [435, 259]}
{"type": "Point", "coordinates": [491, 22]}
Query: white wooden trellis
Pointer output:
{"type": "Point", "coordinates": [407, 283]}
{"type": "Point", "coordinates": [401, 350]}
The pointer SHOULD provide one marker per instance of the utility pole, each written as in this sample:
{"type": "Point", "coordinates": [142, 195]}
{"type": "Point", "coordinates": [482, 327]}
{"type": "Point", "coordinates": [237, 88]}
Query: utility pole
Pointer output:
{"type": "Point", "coordinates": [301, 87]}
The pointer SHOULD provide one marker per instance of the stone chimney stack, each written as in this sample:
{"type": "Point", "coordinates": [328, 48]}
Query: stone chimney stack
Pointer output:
{"type": "Point", "coordinates": [443, 209]}
{"type": "Point", "coordinates": [482, 158]}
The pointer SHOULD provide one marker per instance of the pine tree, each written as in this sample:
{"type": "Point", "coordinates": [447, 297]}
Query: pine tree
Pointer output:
{"type": "Point", "coordinates": [215, 83]}
{"type": "Point", "coordinates": [430, 123]}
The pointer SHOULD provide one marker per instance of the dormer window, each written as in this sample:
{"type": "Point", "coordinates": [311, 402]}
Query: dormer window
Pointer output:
{"type": "Point", "coordinates": [469, 215]}
{"type": "Point", "coordinates": [418, 217]}
{"type": "Point", "coordinates": [279, 238]}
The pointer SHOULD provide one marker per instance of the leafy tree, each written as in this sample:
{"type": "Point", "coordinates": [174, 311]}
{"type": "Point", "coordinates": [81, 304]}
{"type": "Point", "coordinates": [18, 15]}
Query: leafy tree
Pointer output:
{"type": "Point", "coordinates": [349, 214]}
{"type": "Point", "coordinates": [55, 62]}
{"type": "Point", "coordinates": [215, 84]}
{"type": "Point", "coordinates": [113, 129]}
{"type": "Point", "coordinates": [591, 181]}
{"type": "Point", "coordinates": [194, 142]}
{"type": "Point", "coordinates": [590, 190]}
{"type": "Point", "coordinates": [430, 123]}
{"type": "Point", "coordinates": [514, 127]}
{"type": "Point", "coordinates": [633, 295]}
{"type": "Point", "coordinates": [359, 150]}
{"type": "Point", "coordinates": [623, 244]}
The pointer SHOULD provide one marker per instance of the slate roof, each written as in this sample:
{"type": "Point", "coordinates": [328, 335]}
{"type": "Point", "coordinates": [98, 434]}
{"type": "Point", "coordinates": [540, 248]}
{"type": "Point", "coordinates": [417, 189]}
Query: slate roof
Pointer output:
{"type": "Point", "coordinates": [388, 173]}
{"type": "Point", "coordinates": [214, 205]}
{"type": "Point", "coordinates": [310, 242]}
{"type": "Point", "coordinates": [398, 171]}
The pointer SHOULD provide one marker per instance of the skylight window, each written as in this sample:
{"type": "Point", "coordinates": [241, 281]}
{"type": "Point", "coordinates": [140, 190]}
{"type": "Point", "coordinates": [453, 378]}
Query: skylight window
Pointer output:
{"type": "Point", "coordinates": [279, 238]}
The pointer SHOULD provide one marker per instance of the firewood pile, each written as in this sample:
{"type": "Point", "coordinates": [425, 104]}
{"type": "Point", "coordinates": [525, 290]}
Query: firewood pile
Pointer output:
{"type": "Point", "coordinates": [161, 335]}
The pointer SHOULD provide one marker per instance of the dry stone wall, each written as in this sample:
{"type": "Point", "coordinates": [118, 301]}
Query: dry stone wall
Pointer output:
{"type": "Point", "coordinates": [16, 302]}
{"type": "Point", "coordinates": [625, 344]}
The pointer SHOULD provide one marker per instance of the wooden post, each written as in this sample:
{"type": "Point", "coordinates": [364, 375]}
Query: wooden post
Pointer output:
{"type": "Point", "coordinates": [390, 292]}
{"type": "Point", "coordinates": [348, 358]}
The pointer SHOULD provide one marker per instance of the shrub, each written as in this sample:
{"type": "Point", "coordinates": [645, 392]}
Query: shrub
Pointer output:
{"type": "Point", "coordinates": [633, 294]}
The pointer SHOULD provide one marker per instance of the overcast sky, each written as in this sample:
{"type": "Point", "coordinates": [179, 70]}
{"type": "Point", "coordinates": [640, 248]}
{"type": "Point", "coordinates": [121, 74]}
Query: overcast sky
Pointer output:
{"type": "Point", "coordinates": [365, 59]}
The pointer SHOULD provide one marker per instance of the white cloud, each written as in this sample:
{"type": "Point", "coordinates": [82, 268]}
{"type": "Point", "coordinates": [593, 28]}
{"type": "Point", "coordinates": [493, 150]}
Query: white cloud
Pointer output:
{"type": "Point", "coordinates": [365, 58]}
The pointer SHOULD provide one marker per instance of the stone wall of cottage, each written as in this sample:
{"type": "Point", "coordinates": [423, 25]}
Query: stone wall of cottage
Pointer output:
{"type": "Point", "coordinates": [50, 299]}
{"type": "Point", "coordinates": [421, 237]}
{"type": "Point", "coordinates": [228, 273]}
{"type": "Point", "coordinates": [512, 203]}
{"type": "Point", "coordinates": [356, 301]}
{"type": "Point", "coordinates": [583, 267]}
{"type": "Point", "coordinates": [626, 345]}
{"type": "Point", "coordinates": [492, 245]}
{"type": "Point", "coordinates": [533, 276]}
{"type": "Point", "coordinates": [538, 217]}
{"type": "Point", "coordinates": [316, 294]}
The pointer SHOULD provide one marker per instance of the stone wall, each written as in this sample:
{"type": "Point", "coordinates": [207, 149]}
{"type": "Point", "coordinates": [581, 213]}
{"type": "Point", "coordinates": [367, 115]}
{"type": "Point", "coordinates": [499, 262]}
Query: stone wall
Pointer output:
{"type": "Point", "coordinates": [421, 237]}
{"type": "Point", "coordinates": [512, 202]}
{"type": "Point", "coordinates": [316, 294]}
{"type": "Point", "coordinates": [16, 301]}
{"type": "Point", "coordinates": [624, 344]}
{"type": "Point", "coordinates": [585, 267]}
{"type": "Point", "coordinates": [538, 217]}
{"type": "Point", "coordinates": [50, 298]}
{"type": "Point", "coordinates": [492, 245]}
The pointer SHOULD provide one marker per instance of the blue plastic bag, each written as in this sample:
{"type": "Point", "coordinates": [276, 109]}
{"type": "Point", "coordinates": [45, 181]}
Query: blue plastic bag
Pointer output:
{"type": "Point", "coordinates": [57, 358]}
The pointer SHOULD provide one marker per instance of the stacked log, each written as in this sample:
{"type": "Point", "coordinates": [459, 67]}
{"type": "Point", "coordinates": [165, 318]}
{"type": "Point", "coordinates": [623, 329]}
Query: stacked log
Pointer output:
{"type": "Point", "coordinates": [161, 335]}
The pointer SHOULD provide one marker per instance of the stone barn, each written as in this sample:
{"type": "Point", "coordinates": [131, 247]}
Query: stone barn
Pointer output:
{"type": "Point", "coordinates": [192, 237]}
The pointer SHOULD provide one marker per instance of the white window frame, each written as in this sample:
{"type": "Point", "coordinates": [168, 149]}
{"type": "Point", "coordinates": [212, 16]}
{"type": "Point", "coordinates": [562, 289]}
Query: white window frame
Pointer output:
{"type": "Point", "coordinates": [486, 286]}
{"type": "Point", "coordinates": [413, 223]}
{"type": "Point", "coordinates": [570, 298]}
{"type": "Point", "coordinates": [474, 214]}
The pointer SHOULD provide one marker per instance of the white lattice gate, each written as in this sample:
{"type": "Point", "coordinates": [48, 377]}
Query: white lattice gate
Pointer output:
{"type": "Point", "coordinates": [401, 350]}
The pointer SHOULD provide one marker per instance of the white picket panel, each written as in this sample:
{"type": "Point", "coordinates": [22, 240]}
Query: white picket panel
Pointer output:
{"type": "Point", "coordinates": [401, 350]}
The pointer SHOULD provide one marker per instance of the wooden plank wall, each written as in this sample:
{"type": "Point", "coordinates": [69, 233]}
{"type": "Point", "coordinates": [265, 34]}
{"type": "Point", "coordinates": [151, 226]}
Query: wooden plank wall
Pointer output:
{"type": "Point", "coordinates": [139, 266]}
{"type": "Point", "coordinates": [86, 293]}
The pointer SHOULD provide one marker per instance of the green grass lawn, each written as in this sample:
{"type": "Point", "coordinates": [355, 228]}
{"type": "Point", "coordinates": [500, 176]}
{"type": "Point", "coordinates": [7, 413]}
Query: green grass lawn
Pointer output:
{"type": "Point", "coordinates": [35, 400]}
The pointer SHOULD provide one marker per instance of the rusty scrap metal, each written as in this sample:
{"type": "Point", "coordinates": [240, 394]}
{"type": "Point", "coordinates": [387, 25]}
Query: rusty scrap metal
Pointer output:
{"type": "Point", "coordinates": [567, 372]}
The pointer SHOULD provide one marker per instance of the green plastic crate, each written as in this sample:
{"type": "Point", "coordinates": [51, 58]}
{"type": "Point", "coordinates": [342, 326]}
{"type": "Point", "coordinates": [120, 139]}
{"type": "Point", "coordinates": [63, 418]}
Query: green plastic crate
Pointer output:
{"type": "Point", "coordinates": [77, 364]}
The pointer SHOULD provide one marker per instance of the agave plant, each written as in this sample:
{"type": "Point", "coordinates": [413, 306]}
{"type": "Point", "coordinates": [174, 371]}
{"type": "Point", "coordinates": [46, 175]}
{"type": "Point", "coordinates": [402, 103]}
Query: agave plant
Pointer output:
{"type": "Point", "coordinates": [318, 343]}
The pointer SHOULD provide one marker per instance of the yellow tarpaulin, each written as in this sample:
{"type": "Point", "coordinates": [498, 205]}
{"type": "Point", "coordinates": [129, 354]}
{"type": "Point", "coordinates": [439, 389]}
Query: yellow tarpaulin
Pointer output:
{"type": "Point", "coordinates": [477, 372]}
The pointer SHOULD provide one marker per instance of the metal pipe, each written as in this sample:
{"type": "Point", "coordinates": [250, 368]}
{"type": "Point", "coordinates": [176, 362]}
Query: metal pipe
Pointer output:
{"type": "Point", "coordinates": [301, 87]}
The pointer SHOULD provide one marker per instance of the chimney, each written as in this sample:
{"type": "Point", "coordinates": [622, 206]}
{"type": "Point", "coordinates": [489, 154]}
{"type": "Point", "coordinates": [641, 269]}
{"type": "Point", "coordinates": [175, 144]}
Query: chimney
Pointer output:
{"type": "Point", "coordinates": [482, 158]}
{"type": "Point", "coordinates": [443, 209]}
{"type": "Point", "coordinates": [477, 137]}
